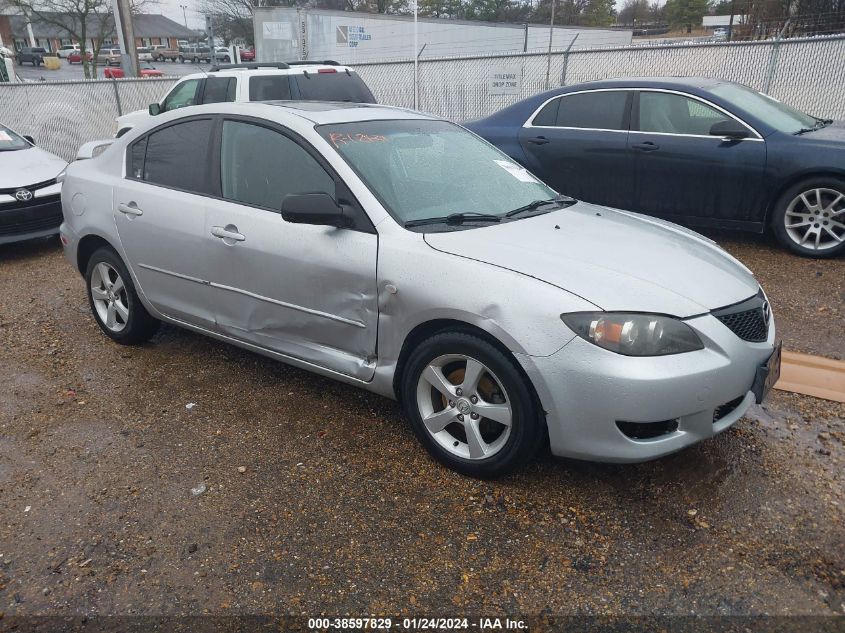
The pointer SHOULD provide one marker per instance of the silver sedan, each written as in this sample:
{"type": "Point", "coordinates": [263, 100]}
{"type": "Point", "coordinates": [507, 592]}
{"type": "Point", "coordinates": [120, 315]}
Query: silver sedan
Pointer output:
{"type": "Point", "coordinates": [402, 254]}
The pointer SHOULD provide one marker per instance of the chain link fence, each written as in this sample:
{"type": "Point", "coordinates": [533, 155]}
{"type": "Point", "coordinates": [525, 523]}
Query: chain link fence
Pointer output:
{"type": "Point", "coordinates": [61, 116]}
{"type": "Point", "coordinates": [807, 73]}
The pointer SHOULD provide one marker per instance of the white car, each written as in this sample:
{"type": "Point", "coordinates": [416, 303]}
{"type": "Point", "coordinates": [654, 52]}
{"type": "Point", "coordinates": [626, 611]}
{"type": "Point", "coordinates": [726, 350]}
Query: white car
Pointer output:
{"type": "Point", "coordinates": [29, 194]}
{"type": "Point", "coordinates": [401, 253]}
{"type": "Point", "coordinates": [254, 81]}
{"type": "Point", "coordinates": [66, 50]}
{"type": "Point", "coordinates": [145, 54]}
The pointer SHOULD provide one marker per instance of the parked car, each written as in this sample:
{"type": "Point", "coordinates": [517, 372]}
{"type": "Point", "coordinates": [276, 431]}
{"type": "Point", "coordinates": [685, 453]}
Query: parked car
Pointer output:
{"type": "Point", "coordinates": [720, 33]}
{"type": "Point", "coordinates": [66, 50]}
{"type": "Point", "coordinates": [29, 194]}
{"type": "Point", "coordinates": [76, 57]}
{"type": "Point", "coordinates": [109, 57]}
{"type": "Point", "coordinates": [247, 54]}
{"type": "Point", "coordinates": [195, 54]}
{"type": "Point", "coordinates": [145, 54]}
{"type": "Point", "coordinates": [29, 55]}
{"type": "Point", "coordinates": [162, 53]}
{"type": "Point", "coordinates": [144, 68]}
{"type": "Point", "coordinates": [702, 152]}
{"type": "Point", "coordinates": [501, 314]}
{"type": "Point", "coordinates": [321, 81]}
{"type": "Point", "coordinates": [222, 54]}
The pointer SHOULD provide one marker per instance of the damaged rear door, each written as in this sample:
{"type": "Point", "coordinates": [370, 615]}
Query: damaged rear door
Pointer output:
{"type": "Point", "coordinates": [301, 290]}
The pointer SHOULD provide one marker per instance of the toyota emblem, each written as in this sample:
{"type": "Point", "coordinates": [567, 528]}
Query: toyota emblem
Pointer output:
{"type": "Point", "coordinates": [24, 195]}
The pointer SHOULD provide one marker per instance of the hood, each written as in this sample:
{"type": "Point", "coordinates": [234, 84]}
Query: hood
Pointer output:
{"type": "Point", "coordinates": [833, 133]}
{"type": "Point", "coordinates": [24, 167]}
{"type": "Point", "coordinates": [618, 261]}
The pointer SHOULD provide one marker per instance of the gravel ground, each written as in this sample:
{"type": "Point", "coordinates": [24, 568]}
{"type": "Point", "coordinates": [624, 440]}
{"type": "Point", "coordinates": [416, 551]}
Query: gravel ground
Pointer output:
{"type": "Point", "coordinates": [282, 492]}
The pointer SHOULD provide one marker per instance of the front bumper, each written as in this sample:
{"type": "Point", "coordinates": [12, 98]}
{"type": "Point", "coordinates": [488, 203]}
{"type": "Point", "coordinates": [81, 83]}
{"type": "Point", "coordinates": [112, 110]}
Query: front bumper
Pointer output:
{"type": "Point", "coordinates": [585, 390]}
{"type": "Point", "coordinates": [39, 217]}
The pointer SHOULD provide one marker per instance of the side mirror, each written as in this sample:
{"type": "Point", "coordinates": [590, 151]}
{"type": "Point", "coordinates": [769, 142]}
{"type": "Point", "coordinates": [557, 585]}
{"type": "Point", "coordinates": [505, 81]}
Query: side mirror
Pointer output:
{"type": "Point", "coordinates": [729, 129]}
{"type": "Point", "coordinates": [27, 137]}
{"type": "Point", "coordinates": [313, 208]}
{"type": "Point", "coordinates": [155, 108]}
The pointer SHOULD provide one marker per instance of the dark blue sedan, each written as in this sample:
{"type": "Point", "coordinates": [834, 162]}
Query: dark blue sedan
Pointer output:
{"type": "Point", "coordinates": [695, 151]}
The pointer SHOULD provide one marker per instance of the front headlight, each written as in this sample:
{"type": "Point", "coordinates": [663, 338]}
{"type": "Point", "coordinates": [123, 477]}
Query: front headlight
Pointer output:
{"type": "Point", "coordinates": [634, 334]}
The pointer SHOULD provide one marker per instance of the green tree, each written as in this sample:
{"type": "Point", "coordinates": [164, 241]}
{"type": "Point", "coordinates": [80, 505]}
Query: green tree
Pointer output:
{"type": "Point", "coordinates": [686, 13]}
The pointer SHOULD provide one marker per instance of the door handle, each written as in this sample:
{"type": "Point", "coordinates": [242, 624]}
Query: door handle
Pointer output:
{"type": "Point", "coordinates": [229, 232]}
{"type": "Point", "coordinates": [538, 140]}
{"type": "Point", "coordinates": [129, 209]}
{"type": "Point", "coordinates": [648, 146]}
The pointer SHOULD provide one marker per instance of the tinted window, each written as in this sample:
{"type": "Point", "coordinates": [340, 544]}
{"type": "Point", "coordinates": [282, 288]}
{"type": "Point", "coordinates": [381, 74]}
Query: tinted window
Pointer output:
{"type": "Point", "coordinates": [675, 114]}
{"type": "Point", "coordinates": [136, 158]}
{"type": "Point", "coordinates": [219, 89]}
{"type": "Point", "coordinates": [548, 115]}
{"type": "Point", "coordinates": [269, 88]}
{"type": "Point", "coordinates": [599, 110]}
{"type": "Point", "coordinates": [259, 166]}
{"type": "Point", "coordinates": [334, 86]}
{"type": "Point", "coordinates": [176, 156]}
{"type": "Point", "coordinates": [182, 95]}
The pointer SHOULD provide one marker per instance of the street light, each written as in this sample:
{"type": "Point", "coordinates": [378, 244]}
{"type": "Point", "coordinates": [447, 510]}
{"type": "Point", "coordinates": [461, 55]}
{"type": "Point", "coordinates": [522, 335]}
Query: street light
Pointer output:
{"type": "Point", "coordinates": [184, 15]}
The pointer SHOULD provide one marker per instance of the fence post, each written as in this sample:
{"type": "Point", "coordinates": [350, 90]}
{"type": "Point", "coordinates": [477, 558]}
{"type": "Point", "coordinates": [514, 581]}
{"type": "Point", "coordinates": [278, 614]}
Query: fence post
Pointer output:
{"type": "Point", "coordinates": [566, 60]}
{"type": "Point", "coordinates": [773, 60]}
{"type": "Point", "coordinates": [117, 97]}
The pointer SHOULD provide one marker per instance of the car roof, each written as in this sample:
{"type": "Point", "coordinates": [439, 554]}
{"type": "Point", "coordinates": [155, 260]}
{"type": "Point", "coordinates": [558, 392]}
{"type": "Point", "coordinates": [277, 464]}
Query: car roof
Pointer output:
{"type": "Point", "coordinates": [320, 112]}
{"type": "Point", "coordinates": [293, 70]}
{"type": "Point", "coordinates": [648, 82]}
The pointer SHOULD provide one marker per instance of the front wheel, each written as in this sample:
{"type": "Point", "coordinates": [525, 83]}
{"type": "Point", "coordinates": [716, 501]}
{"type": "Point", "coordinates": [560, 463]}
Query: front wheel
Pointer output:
{"type": "Point", "coordinates": [809, 218]}
{"type": "Point", "coordinates": [114, 301]}
{"type": "Point", "coordinates": [470, 406]}
{"type": "Point", "coordinates": [181, 59]}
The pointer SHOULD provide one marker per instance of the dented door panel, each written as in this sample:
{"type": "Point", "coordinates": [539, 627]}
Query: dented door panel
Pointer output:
{"type": "Point", "coordinates": [300, 290]}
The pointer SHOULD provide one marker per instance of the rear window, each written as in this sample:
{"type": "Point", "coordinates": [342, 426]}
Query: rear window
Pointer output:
{"type": "Point", "coordinates": [333, 86]}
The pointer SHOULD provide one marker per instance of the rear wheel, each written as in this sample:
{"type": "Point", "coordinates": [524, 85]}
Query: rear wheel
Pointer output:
{"type": "Point", "coordinates": [114, 301]}
{"type": "Point", "coordinates": [470, 406]}
{"type": "Point", "coordinates": [809, 218]}
{"type": "Point", "coordinates": [181, 59]}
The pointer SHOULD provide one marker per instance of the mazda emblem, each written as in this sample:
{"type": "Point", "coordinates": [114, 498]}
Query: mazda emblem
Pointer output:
{"type": "Point", "coordinates": [24, 195]}
{"type": "Point", "coordinates": [767, 313]}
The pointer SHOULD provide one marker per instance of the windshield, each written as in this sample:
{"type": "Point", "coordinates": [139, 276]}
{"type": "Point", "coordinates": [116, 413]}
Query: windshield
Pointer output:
{"type": "Point", "coordinates": [768, 109]}
{"type": "Point", "coordinates": [9, 141]}
{"type": "Point", "coordinates": [423, 169]}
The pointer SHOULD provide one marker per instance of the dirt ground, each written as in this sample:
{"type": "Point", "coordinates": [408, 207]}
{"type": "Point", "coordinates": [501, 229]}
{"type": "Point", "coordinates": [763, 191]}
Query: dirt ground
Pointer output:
{"type": "Point", "coordinates": [285, 493]}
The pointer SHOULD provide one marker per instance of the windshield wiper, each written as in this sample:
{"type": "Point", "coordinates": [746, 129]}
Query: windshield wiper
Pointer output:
{"type": "Point", "coordinates": [819, 124]}
{"type": "Point", "coordinates": [563, 201]}
{"type": "Point", "coordinates": [454, 218]}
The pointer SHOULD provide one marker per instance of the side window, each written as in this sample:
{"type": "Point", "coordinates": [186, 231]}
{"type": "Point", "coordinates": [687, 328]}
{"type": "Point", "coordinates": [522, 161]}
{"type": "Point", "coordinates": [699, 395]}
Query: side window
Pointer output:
{"type": "Point", "coordinates": [175, 156]}
{"type": "Point", "coordinates": [260, 167]}
{"type": "Point", "coordinates": [601, 110]}
{"type": "Point", "coordinates": [269, 88]}
{"type": "Point", "coordinates": [182, 95]}
{"type": "Point", "coordinates": [136, 159]}
{"type": "Point", "coordinates": [676, 114]}
{"type": "Point", "coordinates": [219, 89]}
{"type": "Point", "coordinates": [548, 115]}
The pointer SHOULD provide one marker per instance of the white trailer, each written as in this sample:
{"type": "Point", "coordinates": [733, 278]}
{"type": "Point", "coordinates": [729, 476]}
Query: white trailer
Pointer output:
{"type": "Point", "coordinates": [283, 34]}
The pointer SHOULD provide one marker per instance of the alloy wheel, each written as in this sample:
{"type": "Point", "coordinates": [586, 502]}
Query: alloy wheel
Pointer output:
{"type": "Point", "coordinates": [815, 219]}
{"type": "Point", "coordinates": [108, 293]}
{"type": "Point", "coordinates": [464, 407]}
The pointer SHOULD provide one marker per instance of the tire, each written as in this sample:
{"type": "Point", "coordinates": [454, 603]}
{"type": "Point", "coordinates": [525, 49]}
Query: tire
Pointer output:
{"type": "Point", "coordinates": [226, 60]}
{"type": "Point", "coordinates": [181, 59]}
{"type": "Point", "coordinates": [809, 218]}
{"type": "Point", "coordinates": [493, 384]}
{"type": "Point", "coordinates": [196, 60]}
{"type": "Point", "coordinates": [135, 325]}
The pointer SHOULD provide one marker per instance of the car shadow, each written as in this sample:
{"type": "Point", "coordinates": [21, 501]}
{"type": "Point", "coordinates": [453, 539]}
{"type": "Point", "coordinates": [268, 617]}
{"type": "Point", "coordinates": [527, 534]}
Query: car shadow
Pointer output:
{"type": "Point", "coordinates": [30, 249]}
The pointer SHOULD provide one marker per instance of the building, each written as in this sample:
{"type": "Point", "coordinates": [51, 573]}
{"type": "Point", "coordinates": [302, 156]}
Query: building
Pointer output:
{"type": "Point", "coordinates": [149, 29]}
{"type": "Point", "coordinates": [350, 37]}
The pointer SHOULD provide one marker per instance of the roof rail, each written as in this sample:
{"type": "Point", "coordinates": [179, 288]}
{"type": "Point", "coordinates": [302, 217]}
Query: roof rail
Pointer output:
{"type": "Point", "coordinates": [312, 62]}
{"type": "Point", "coordinates": [249, 66]}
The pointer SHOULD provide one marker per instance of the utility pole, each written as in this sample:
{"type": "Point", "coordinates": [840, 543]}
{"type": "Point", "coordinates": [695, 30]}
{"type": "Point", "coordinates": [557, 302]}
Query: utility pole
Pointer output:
{"type": "Point", "coordinates": [416, 59]}
{"type": "Point", "coordinates": [184, 15]}
{"type": "Point", "coordinates": [731, 22]}
{"type": "Point", "coordinates": [123, 23]}
{"type": "Point", "coordinates": [551, 33]}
